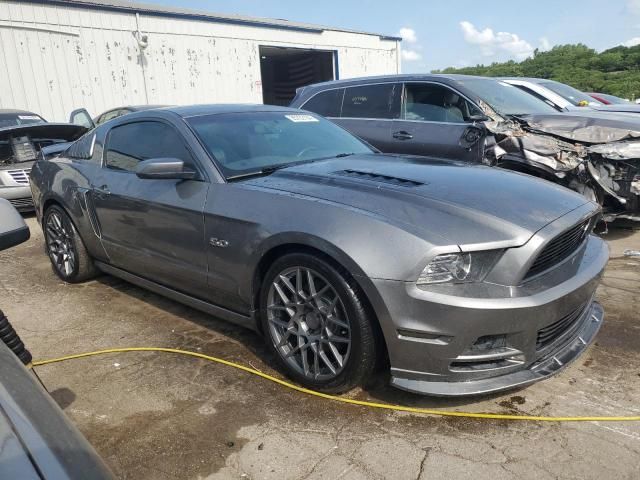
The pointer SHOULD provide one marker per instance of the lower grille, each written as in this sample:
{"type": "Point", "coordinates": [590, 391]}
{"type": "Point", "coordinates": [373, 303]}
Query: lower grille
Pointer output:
{"type": "Point", "coordinates": [22, 202]}
{"type": "Point", "coordinates": [550, 333]}
{"type": "Point", "coordinates": [20, 176]}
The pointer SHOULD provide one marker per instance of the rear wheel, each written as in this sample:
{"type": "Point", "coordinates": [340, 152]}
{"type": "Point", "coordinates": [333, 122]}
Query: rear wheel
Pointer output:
{"type": "Point", "coordinates": [69, 257]}
{"type": "Point", "coordinates": [315, 322]}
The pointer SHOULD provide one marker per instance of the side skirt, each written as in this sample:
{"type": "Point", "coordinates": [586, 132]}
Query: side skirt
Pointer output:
{"type": "Point", "coordinates": [211, 309]}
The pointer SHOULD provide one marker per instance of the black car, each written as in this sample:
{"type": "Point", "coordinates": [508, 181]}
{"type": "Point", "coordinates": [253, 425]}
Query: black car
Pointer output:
{"type": "Point", "coordinates": [484, 120]}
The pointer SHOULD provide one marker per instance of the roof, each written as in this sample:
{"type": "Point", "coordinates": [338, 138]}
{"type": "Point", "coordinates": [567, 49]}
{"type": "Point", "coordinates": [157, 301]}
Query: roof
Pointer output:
{"type": "Point", "coordinates": [403, 77]}
{"type": "Point", "coordinates": [213, 109]}
{"type": "Point", "coordinates": [137, 108]}
{"type": "Point", "coordinates": [279, 23]}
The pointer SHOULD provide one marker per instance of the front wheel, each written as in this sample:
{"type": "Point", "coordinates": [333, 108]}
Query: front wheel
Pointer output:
{"type": "Point", "coordinates": [315, 322]}
{"type": "Point", "coordinates": [69, 257]}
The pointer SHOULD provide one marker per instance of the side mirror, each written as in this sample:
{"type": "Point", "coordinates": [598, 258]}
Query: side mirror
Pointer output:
{"type": "Point", "coordinates": [478, 117]}
{"type": "Point", "coordinates": [165, 168]}
{"type": "Point", "coordinates": [81, 117]}
{"type": "Point", "coordinates": [13, 230]}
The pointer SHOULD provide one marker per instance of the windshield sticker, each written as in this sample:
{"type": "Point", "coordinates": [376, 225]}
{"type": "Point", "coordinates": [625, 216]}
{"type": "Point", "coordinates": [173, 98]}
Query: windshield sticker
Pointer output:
{"type": "Point", "coordinates": [302, 118]}
{"type": "Point", "coordinates": [28, 117]}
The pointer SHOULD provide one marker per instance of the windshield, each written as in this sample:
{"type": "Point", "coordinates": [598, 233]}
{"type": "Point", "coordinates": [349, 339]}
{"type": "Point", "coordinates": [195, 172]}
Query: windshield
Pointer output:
{"type": "Point", "coordinates": [576, 97]}
{"type": "Point", "coordinates": [246, 143]}
{"type": "Point", "coordinates": [16, 119]}
{"type": "Point", "coordinates": [506, 99]}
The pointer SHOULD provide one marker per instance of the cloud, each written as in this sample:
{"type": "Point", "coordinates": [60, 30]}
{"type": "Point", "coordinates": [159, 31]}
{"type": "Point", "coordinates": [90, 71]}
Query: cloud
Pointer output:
{"type": "Point", "coordinates": [632, 42]}
{"type": "Point", "coordinates": [410, 55]}
{"type": "Point", "coordinates": [408, 34]}
{"type": "Point", "coordinates": [492, 43]}
{"type": "Point", "coordinates": [633, 7]}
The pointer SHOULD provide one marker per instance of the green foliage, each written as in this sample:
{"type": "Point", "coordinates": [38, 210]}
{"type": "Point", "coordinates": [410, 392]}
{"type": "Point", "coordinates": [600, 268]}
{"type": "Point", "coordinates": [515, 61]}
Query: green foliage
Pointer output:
{"type": "Point", "coordinates": [615, 71]}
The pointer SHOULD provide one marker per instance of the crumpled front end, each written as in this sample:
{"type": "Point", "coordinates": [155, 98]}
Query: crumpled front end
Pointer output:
{"type": "Point", "coordinates": [596, 156]}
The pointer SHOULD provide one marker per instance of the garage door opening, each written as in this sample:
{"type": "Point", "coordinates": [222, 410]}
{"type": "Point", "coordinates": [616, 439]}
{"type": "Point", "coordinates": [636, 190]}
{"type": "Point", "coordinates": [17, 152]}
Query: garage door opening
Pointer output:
{"type": "Point", "coordinates": [285, 69]}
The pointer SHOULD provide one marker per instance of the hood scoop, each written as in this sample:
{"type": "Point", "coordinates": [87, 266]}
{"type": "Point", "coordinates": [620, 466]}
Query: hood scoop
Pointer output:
{"type": "Point", "coordinates": [379, 178]}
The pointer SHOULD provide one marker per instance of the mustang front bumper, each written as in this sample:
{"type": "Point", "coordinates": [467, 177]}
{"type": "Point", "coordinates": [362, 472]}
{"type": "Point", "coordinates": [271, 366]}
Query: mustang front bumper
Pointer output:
{"type": "Point", "coordinates": [473, 339]}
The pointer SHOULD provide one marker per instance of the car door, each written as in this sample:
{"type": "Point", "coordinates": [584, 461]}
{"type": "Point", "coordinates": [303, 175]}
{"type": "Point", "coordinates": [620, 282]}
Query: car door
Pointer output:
{"type": "Point", "coordinates": [437, 121]}
{"type": "Point", "coordinates": [153, 228]}
{"type": "Point", "coordinates": [364, 110]}
{"type": "Point", "coordinates": [368, 112]}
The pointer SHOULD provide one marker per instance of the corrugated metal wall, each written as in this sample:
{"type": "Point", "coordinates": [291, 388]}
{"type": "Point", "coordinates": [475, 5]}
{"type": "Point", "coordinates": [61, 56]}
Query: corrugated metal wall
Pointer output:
{"type": "Point", "coordinates": [54, 59]}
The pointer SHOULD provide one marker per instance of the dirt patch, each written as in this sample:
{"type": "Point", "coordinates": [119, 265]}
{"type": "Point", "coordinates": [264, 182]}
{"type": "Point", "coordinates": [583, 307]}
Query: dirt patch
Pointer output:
{"type": "Point", "coordinates": [176, 443]}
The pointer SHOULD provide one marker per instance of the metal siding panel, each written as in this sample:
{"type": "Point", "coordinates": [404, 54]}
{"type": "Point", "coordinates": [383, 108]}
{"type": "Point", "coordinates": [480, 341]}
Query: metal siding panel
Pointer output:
{"type": "Point", "coordinates": [13, 67]}
{"type": "Point", "coordinates": [187, 61]}
{"type": "Point", "coordinates": [6, 93]}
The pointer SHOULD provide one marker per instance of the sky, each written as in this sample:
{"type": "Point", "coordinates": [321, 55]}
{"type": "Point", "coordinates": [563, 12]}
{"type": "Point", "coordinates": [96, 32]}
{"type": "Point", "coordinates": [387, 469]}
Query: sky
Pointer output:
{"type": "Point", "coordinates": [457, 33]}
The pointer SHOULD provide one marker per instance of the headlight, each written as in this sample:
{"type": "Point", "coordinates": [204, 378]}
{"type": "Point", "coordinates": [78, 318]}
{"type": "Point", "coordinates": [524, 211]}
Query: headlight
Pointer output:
{"type": "Point", "coordinates": [459, 267]}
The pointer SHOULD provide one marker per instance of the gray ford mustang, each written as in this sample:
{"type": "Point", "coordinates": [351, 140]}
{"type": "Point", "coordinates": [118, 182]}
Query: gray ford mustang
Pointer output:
{"type": "Point", "coordinates": [468, 279]}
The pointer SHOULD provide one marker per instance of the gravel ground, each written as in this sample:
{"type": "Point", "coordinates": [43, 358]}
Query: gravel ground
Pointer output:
{"type": "Point", "coordinates": [162, 416]}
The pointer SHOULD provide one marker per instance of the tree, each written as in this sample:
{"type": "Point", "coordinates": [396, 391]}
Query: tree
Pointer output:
{"type": "Point", "coordinates": [615, 71]}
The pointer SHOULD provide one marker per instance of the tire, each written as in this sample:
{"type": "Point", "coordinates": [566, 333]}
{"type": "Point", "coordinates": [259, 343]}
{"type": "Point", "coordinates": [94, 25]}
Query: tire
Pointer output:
{"type": "Point", "coordinates": [69, 257]}
{"type": "Point", "coordinates": [317, 330]}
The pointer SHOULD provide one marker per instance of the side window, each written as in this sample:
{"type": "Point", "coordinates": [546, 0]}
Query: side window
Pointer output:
{"type": "Point", "coordinates": [372, 101]}
{"type": "Point", "coordinates": [134, 142]}
{"type": "Point", "coordinates": [327, 104]}
{"type": "Point", "coordinates": [430, 102]}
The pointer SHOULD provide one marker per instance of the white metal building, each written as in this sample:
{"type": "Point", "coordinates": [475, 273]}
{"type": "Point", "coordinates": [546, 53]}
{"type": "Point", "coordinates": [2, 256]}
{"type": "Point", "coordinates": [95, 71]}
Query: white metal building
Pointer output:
{"type": "Point", "coordinates": [59, 55]}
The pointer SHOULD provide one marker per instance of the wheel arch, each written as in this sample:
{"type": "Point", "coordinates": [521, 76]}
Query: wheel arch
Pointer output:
{"type": "Point", "coordinates": [335, 257]}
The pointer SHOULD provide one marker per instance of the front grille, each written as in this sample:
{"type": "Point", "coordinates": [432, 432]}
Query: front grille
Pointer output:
{"type": "Point", "coordinates": [21, 203]}
{"type": "Point", "coordinates": [20, 176]}
{"type": "Point", "coordinates": [560, 248]}
{"type": "Point", "coordinates": [548, 334]}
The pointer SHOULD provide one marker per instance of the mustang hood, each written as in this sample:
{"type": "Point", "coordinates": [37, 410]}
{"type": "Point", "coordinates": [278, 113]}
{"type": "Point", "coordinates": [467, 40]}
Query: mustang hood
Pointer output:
{"type": "Point", "coordinates": [475, 204]}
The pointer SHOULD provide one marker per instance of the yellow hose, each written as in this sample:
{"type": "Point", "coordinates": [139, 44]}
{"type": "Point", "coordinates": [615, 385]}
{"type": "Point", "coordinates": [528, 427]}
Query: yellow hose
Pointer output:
{"type": "Point", "coordinates": [398, 408]}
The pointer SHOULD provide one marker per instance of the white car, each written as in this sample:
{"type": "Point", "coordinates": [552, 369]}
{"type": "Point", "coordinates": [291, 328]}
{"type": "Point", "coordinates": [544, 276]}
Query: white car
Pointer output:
{"type": "Point", "coordinates": [559, 95]}
{"type": "Point", "coordinates": [564, 97]}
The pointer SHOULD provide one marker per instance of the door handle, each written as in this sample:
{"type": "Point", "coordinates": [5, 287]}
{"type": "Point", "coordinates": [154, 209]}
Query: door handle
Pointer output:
{"type": "Point", "coordinates": [402, 135]}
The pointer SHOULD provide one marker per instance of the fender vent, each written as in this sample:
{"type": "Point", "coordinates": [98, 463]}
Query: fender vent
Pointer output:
{"type": "Point", "coordinates": [376, 177]}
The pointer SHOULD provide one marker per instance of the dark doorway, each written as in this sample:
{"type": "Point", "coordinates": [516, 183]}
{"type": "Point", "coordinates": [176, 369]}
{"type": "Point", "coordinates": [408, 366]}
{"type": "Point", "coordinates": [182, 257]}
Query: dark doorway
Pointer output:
{"type": "Point", "coordinates": [285, 69]}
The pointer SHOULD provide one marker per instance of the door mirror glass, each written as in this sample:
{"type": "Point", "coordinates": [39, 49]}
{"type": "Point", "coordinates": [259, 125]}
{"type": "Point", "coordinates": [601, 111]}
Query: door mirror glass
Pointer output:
{"type": "Point", "coordinates": [165, 169]}
{"type": "Point", "coordinates": [13, 230]}
{"type": "Point", "coordinates": [478, 117]}
{"type": "Point", "coordinates": [81, 117]}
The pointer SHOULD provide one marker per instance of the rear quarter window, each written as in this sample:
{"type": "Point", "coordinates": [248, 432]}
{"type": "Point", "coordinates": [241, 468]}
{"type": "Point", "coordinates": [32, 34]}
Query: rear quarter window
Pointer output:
{"type": "Point", "coordinates": [82, 149]}
{"type": "Point", "coordinates": [327, 103]}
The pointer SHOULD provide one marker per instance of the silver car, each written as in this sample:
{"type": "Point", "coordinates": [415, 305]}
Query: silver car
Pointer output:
{"type": "Point", "coordinates": [23, 136]}
{"type": "Point", "coordinates": [468, 279]}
